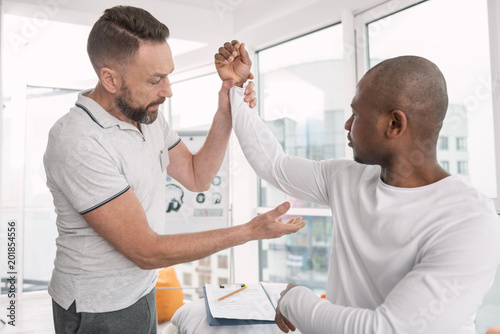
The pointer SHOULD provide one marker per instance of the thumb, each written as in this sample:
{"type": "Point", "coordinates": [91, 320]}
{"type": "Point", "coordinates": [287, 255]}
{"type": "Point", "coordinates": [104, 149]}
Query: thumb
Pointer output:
{"type": "Point", "coordinates": [245, 58]}
{"type": "Point", "coordinates": [279, 210]}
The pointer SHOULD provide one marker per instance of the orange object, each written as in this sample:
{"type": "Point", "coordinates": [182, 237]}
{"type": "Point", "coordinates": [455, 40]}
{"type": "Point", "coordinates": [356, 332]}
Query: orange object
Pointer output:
{"type": "Point", "coordinates": [494, 330]}
{"type": "Point", "coordinates": [168, 301]}
{"type": "Point", "coordinates": [323, 296]}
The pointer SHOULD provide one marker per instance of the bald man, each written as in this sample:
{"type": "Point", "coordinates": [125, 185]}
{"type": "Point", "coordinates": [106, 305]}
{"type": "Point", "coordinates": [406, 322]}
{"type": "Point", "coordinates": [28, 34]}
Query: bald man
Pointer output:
{"type": "Point", "coordinates": [415, 249]}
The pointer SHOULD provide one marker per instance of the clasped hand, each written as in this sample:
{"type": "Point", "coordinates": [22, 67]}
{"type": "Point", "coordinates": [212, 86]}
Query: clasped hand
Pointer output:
{"type": "Point", "coordinates": [233, 66]}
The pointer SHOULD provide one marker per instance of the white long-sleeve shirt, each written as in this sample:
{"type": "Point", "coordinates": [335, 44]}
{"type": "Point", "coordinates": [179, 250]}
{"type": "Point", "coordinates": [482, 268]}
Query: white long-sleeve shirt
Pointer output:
{"type": "Point", "coordinates": [403, 260]}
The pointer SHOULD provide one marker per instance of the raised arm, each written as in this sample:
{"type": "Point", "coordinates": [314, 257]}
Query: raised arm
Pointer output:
{"type": "Point", "coordinates": [196, 171]}
{"type": "Point", "coordinates": [298, 177]}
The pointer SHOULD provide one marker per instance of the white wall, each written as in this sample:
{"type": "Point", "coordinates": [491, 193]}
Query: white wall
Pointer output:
{"type": "Point", "coordinates": [259, 23]}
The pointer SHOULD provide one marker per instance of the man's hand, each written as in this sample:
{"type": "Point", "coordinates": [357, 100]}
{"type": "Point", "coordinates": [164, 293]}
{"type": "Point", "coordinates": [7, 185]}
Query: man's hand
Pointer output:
{"type": "Point", "coordinates": [233, 63]}
{"type": "Point", "coordinates": [224, 104]}
{"type": "Point", "coordinates": [270, 225]}
{"type": "Point", "coordinates": [283, 323]}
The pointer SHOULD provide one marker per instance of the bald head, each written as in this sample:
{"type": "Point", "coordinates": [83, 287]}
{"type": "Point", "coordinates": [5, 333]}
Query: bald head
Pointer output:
{"type": "Point", "coordinates": [414, 85]}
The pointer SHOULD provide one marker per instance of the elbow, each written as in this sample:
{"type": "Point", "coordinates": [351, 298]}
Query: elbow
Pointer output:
{"type": "Point", "coordinates": [145, 264]}
{"type": "Point", "coordinates": [146, 257]}
{"type": "Point", "coordinates": [150, 257]}
{"type": "Point", "coordinates": [198, 188]}
{"type": "Point", "coordinates": [143, 261]}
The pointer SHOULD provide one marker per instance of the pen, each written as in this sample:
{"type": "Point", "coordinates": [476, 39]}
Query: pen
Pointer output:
{"type": "Point", "coordinates": [232, 293]}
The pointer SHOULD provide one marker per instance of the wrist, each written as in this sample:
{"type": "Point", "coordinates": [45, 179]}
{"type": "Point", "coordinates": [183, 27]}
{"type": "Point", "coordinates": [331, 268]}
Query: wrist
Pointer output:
{"type": "Point", "coordinates": [240, 83]}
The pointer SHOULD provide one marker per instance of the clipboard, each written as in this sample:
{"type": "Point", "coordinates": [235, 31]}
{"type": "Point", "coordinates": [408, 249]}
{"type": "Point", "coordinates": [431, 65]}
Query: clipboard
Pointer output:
{"type": "Point", "coordinates": [235, 322]}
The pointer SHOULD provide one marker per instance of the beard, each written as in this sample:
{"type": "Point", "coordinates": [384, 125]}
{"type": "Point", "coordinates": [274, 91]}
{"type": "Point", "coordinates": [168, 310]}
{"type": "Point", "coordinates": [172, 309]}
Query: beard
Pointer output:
{"type": "Point", "coordinates": [136, 114]}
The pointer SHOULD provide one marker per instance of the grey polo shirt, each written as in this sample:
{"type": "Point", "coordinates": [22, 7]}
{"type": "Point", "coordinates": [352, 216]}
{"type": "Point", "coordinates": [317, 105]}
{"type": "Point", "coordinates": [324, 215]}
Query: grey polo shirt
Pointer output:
{"type": "Point", "coordinates": [92, 158]}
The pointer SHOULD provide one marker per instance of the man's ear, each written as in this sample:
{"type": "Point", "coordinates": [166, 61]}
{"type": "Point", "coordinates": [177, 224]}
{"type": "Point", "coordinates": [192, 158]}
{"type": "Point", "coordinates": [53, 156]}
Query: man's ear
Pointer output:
{"type": "Point", "coordinates": [397, 124]}
{"type": "Point", "coordinates": [110, 79]}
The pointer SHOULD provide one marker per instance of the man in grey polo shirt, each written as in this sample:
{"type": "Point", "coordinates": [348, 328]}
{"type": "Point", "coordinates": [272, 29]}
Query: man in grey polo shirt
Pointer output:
{"type": "Point", "coordinates": [106, 164]}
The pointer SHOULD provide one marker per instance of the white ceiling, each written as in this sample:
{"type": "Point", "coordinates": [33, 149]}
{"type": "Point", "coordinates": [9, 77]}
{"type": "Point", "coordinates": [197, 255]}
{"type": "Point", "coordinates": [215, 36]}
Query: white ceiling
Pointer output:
{"type": "Point", "coordinates": [259, 23]}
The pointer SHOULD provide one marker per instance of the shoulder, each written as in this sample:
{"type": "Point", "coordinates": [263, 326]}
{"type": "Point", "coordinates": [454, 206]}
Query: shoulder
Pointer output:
{"type": "Point", "coordinates": [74, 132]}
{"type": "Point", "coordinates": [343, 168]}
{"type": "Point", "coordinates": [467, 219]}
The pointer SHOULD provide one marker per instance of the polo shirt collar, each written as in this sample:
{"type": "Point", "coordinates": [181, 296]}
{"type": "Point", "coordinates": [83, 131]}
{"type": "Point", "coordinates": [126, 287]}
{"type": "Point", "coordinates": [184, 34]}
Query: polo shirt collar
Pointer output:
{"type": "Point", "coordinates": [103, 118]}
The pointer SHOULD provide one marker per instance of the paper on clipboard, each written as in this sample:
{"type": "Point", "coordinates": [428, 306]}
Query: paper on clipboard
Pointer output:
{"type": "Point", "coordinates": [252, 303]}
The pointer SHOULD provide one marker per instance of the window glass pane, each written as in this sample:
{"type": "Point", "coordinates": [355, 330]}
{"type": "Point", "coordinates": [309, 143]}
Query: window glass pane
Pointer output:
{"type": "Point", "coordinates": [300, 258]}
{"type": "Point", "coordinates": [302, 100]}
{"type": "Point", "coordinates": [44, 107]}
{"type": "Point", "coordinates": [194, 275]}
{"type": "Point", "coordinates": [458, 44]}
{"type": "Point", "coordinates": [7, 152]}
{"type": "Point", "coordinates": [40, 235]}
{"type": "Point", "coordinates": [194, 102]}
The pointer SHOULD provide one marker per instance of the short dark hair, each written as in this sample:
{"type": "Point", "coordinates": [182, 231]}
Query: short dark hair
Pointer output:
{"type": "Point", "coordinates": [117, 35]}
{"type": "Point", "coordinates": [416, 86]}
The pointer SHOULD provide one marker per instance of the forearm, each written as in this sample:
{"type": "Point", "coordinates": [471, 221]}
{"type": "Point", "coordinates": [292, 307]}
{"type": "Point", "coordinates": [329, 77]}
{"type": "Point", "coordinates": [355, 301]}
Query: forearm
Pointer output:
{"type": "Point", "coordinates": [168, 250]}
{"type": "Point", "coordinates": [427, 300]}
{"type": "Point", "coordinates": [207, 161]}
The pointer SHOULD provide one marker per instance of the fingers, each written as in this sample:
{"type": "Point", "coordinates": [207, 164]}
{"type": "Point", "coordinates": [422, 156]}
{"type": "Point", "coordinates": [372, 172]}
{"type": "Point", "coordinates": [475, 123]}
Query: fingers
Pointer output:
{"type": "Point", "coordinates": [294, 221]}
{"type": "Point", "coordinates": [250, 87]}
{"type": "Point", "coordinates": [278, 211]}
{"type": "Point", "coordinates": [230, 51]}
{"type": "Point", "coordinates": [249, 97]}
{"type": "Point", "coordinates": [220, 60]}
{"type": "Point", "coordinates": [283, 324]}
{"type": "Point", "coordinates": [289, 324]}
{"type": "Point", "coordinates": [294, 225]}
{"type": "Point", "coordinates": [245, 58]}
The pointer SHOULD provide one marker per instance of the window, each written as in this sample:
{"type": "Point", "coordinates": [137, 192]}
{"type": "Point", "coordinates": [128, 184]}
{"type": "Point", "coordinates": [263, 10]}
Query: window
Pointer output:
{"type": "Point", "coordinates": [43, 107]}
{"type": "Point", "coordinates": [309, 124]}
{"type": "Point", "coordinates": [300, 258]}
{"type": "Point", "coordinates": [54, 58]}
{"type": "Point", "coordinates": [445, 165]}
{"type": "Point", "coordinates": [222, 260]}
{"type": "Point", "coordinates": [443, 143]}
{"type": "Point", "coordinates": [461, 144]}
{"type": "Point", "coordinates": [462, 167]}
{"type": "Point", "coordinates": [458, 44]}
{"type": "Point", "coordinates": [194, 102]}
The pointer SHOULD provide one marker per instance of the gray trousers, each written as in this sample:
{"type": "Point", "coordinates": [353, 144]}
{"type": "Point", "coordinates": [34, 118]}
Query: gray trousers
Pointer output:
{"type": "Point", "coordinates": [139, 318]}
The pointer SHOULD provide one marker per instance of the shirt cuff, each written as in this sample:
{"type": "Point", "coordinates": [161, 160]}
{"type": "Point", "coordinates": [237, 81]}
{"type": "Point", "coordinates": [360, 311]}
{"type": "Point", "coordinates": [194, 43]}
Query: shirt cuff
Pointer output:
{"type": "Point", "coordinates": [293, 298]}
